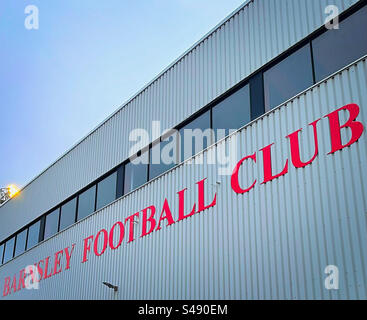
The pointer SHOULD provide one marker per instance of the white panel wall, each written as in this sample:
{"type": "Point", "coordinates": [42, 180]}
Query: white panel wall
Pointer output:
{"type": "Point", "coordinates": [273, 242]}
{"type": "Point", "coordinates": [254, 35]}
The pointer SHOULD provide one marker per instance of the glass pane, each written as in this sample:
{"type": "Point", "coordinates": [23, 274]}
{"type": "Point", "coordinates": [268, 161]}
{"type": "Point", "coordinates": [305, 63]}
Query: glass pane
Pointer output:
{"type": "Point", "coordinates": [233, 112]}
{"type": "Point", "coordinates": [9, 249]}
{"type": "Point", "coordinates": [136, 174]}
{"type": "Point", "coordinates": [192, 140]}
{"type": "Point", "coordinates": [86, 202]}
{"type": "Point", "coordinates": [120, 181]}
{"type": "Point", "coordinates": [68, 211]}
{"type": "Point", "coordinates": [1, 254]}
{"type": "Point", "coordinates": [52, 223]}
{"type": "Point", "coordinates": [106, 191]}
{"type": "Point", "coordinates": [336, 48]}
{"type": "Point", "coordinates": [33, 234]}
{"type": "Point", "coordinates": [21, 242]}
{"type": "Point", "coordinates": [163, 156]}
{"type": "Point", "coordinates": [287, 78]}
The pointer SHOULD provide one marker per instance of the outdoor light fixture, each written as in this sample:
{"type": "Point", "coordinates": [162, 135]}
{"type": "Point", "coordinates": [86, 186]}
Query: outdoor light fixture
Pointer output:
{"type": "Point", "coordinates": [111, 286]}
{"type": "Point", "coordinates": [9, 192]}
{"type": "Point", "coordinates": [13, 190]}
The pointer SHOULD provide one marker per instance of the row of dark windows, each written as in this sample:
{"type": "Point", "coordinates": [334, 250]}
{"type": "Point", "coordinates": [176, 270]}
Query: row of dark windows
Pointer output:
{"type": "Point", "coordinates": [312, 61]}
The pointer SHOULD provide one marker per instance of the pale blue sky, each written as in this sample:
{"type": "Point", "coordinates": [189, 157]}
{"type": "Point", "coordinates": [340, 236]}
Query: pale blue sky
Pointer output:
{"type": "Point", "coordinates": [87, 58]}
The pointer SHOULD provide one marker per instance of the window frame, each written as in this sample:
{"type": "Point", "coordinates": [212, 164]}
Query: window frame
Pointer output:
{"type": "Point", "coordinates": [138, 154]}
{"type": "Point", "coordinates": [271, 91]}
{"type": "Point", "coordinates": [170, 133]}
{"type": "Point", "coordinates": [16, 242]}
{"type": "Point", "coordinates": [75, 212]}
{"type": "Point", "coordinates": [5, 246]}
{"type": "Point", "coordinates": [218, 104]}
{"type": "Point", "coordinates": [319, 73]}
{"type": "Point", "coordinates": [2, 245]}
{"type": "Point", "coordinates": [58, 208]}
{"type": "Point", "coordinates": [181, 156]}
{"type": "Point", "coordinates": [39, 220]}
{"type": "Point", "coordinates": [112, 172]}
{"type": "Point", "coordinates": [78, 201]}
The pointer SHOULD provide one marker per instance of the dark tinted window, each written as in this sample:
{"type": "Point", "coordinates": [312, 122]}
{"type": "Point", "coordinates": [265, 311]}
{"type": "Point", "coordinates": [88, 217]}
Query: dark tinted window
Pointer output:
{"type": "Point", "coordinates": [9, 249]}
{"type": "Point", "coordinates": [1, 254]}
{"type": "Point", "coordinates": [120, 181]}
{"type": "Point", "coordinates": [106, 190]}
{"type": "Point", "coordinates": [336, 48]}
{"type": "Point", "coordinates": [163, 155]}
{"type": "Point", "coordinates": [136, 174]}
{"type": "Point", "coordinates": [52, 223]}
{"type": "Point", "coordinates": [198, 141]}
{"type": "Point", "coordinates": [256, 83]}
{"type": "Point", "coordinates": [33, 234]}
{"type": "Point", "coordinates": [233, 112]}
{"type": "Point", "coordinates": [86, 202]}
{"type": "Point", "coordinates": [68, 211]}
{"type": "Point", "coordinates": [287, 78]}
{"type": "Point", "coordinates": [21, 242]}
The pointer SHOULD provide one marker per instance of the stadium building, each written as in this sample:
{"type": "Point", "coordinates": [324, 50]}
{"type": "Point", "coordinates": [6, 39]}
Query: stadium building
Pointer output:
{"type": "Point", "coordinates": [274, 209]}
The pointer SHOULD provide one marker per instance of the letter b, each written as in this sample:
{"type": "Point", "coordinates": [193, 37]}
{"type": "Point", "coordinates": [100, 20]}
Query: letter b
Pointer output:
{"type": "Point", "coordinates": [356, 127]}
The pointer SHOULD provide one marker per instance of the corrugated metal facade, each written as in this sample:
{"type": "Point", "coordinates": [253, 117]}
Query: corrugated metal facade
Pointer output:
{"type": "Point", "coordinates": [272, 242]}
{"type": "Point", "coordinates": [251, 37]}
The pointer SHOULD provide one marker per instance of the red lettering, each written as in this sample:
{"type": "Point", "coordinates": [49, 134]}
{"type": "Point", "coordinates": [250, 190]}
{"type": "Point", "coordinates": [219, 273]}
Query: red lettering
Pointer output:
{"type": "Point", "coordinates": [234, 178]}
{"type": "Point", "coordinates": [146, 219]}
{"type": "Point", "coordinates": [68, 256]}
{"type": "Point", "coordinates": [105, 240]}
{"type": "Point", "coordinates": [131, 220]}
{"type": "Point", "coordinates": [201, 204]}
{"type": "Point", "coordinates": [122, 233]}
{"type": "Point", "coordinates": [181, 206]}
{"type": "Point", "coordinates": [86, 249]}
{"type": "Point", "coordinates": [14, 284]}
{"type": "Point", "coordinates": [40, 270]}
{"type": "Point", "coordinates": [294, 143]}
{"type": "Point", "coordinates": [6, 290]}
{"type": "Point", "coordinates": [33, 272]}
{"type": "Point", "coordinates": [46, 269]}
{"type": "Point", "coordinates": [21, 284]}
{"type": "Point", "coordinates": [356, 127]}
{"type": "Point", "coordinates": [57, 262]}
{"type": "Point", "coordinates": [268, 175]}
{"type": "Point", "coordinates": [168, 215]}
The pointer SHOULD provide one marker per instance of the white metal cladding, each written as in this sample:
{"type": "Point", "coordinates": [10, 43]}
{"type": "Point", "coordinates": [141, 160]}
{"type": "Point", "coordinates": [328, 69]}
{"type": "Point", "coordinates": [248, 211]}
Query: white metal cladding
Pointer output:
{"type": "Point", "coordinates": [273, 242]}
{"type": "Point", "coordinates": [248, 39]}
